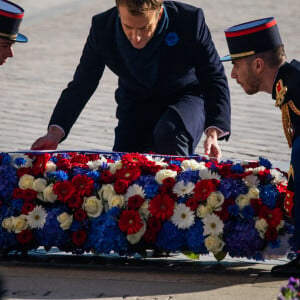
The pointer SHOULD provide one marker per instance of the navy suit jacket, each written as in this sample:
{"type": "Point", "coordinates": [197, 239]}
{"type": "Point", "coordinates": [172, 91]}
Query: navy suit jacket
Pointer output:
{"type": "Point", "coordinates": [190, 67]}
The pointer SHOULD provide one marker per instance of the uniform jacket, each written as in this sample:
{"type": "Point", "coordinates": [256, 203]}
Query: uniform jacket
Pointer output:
{"type": "Point", "coordinates": [286, 91]}
{"type": "Point", "coordinates": [188, 64]}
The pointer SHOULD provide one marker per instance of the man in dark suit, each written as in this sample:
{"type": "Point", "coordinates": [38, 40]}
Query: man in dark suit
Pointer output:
{"type": "Point", "coordinates": [259, 65]}
{"type": "Point", "coordinates": [10, 18]}
{"type": "Point", "coordinates": [171, 86]}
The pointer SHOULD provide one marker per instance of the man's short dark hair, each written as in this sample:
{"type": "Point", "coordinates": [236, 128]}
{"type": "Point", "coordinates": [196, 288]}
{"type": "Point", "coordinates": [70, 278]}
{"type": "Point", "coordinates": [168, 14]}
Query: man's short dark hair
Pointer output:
{"type": "Point", "coordinates": [139, 7]}
{"type": "Point", "coordinates": [273, 58]}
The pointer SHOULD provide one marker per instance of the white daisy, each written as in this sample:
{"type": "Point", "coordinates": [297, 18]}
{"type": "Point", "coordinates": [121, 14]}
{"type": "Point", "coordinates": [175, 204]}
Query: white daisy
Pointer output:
{"type": "Point", "coordinates": [181, 189]}
{"type": "Point", "coordinates": [134, 190]}
{"type": "Point", "coordinates": [256, 170]}
{"type": "Point", "coordinates": [207, 174]}
{"type": "Point", "coordinates": [37, 217]}
{"type": "Point", "coordinates": [212, 225]}
{"type": "Point", "coordinates": [183, 216]}
{"type": "Point", "coordinates": [159, 161]}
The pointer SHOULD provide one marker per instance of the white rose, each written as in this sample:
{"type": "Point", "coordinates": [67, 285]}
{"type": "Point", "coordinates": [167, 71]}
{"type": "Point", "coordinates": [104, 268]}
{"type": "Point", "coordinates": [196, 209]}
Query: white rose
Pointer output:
{"type": "Point", "coordinates": [203, 211]}
{"type": "Point", "coordinates": [116, 200]}
{"type": "Point", "coordinates": [215, 200]}
{"type": "Point", "coordinates": [135, 238]}
{"type": "Point", "coordinates": [242, 200]}
{"type": "Point", "coordinates": [65, 220]}
{"type": "Point", "coordinates": [106, 191]}
{"type": "Point", "coordinates": [253, 193]}
{"type": "Point", "coordinates": [214, 244]}
{"type": "Point", "coordinates": [93, 206]}
{"type": "Point", "coordinates": [26, 182]}
{"type": "Point", "coordinates": [192, 164]}
{"type": "Point", "coordinates": [19, 223]}
{"type": "Point", "coordinates": [7, 224]}
{"type": "Point", "coordinates": [113, 167]}
{"type": "Point", "coordinates": [261, 226]}
{"type": "Point", "coordinates": [50, 166]}
{"type": "Point", "coordinates": [39, 184]}
{"type": "Point", "coordinates": [163, 174]}
{"type": "Point", "coordinates": [48, 194]}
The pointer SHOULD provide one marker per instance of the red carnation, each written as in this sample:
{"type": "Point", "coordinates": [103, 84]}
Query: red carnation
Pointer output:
{"type": "Point", "coordinates": [83, 184]}
{"type": "Point", "coordinates": [154, 224]}
{"type": "Point", "coordinates": [27, 207]}
{"type": "Point", "coordinates": [79, 237]}
{"type": "Point", "coordinates": [64, 190]}
{"type": "Point", "coordinates": [80, 215]}
{"type": "Point", "coordinates": [169, 182]}
{"type": "Point", "coordinates": [161, 206]}
{"type": "Point", "coordinates": [25, 236]}
{"type": "Point", "coordinates": [271, 234]}
{"type": "Point", "coordinates": [22, 171]}
{"type": "Point", "coordinates": [192, 203]}
{"type": "Point", "coordinates": [64, 164]}
{"type": "Point", "coordinates": [121, 186]}
{"type": "Point", "coordinates": [130, 221]}
{"type": "Point", "coordinates": [29, 195]}
{"type": "Point", "coordinates": [149, 166]}
{"type": "Point", "coordinates": [80, 159]}
{"type": "Point", "coordinates": [174, 167]}
{"type": "Point", "coordinates": [75, 201]}
{"type": "Point", "coordinates": [150, 236]}
{"type": "Point", "coordinates": [106, 177]}
{"type": "Point", "coordinates": [272, 216]}
{"type": "Point", "coordinates": [135, 202]}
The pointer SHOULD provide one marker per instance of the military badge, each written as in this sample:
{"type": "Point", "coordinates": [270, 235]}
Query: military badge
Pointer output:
{"type": "Point", "coordinates": [281, 90]}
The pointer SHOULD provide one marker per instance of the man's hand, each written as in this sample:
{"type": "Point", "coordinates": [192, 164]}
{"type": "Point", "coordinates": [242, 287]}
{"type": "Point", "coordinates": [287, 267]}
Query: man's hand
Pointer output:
{"type": "Point", "coordinates": [49, 141]}
{"type": "Point", "coordinates": [211, 146]}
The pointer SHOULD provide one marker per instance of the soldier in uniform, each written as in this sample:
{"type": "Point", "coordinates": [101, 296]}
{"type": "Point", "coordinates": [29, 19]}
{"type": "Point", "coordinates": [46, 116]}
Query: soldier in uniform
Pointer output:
{"type": "Point", "coordinates": [260, 65]}
{"type": "Point", "coordinates": [10, 18]}
{"type": "Point", "coordinates": [172, 86]}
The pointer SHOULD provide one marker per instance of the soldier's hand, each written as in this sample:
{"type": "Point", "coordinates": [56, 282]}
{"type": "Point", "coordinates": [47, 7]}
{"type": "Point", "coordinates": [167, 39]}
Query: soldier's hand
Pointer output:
{"type": "Point", "coordinates": [211, 146]}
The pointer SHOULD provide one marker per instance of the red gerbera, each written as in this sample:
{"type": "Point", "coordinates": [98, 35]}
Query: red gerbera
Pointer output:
{"type": "Point", "coordinates": [64, 190]}
{"type": "Point", "coordinates": [25, 236]}
{"type": "Point", "coordinates": [132, 160]}
{"type": "Point", "coordinates": [83, 184]}
{"type": "Point", "coordinates": [129, 174]}
{"type": "Point", "coordinates": [204, 188]}
{"type": "Point", "coordinates": [130, 221]}
{"type": "Point", "coordinates": [121, 186]}
{"type": "Point", "coordinates": [169, 182]}
{"type": "Point", "coordinates": [64, 164]}
{"type": "Point", "coordinates": [80, 159]}
{"type": "Point", "coordinates": [135, 202]}
{"type": "Point", "coordinates": [154, 224]}
{"type": "Point", "coordinates": [79, 237]}
{"type": "Point", "coordinates": [161, 206]}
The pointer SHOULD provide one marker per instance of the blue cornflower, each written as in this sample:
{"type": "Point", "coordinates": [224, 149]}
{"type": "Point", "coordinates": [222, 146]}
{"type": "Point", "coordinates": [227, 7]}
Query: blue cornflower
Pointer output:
{"type": "Point", "coordinates": [269, 195]}
{"type": "Point", "coordinates": [265, 162]}
{"type": "Point", "coordinates": [194, 238]}
{"type": "Point", "coordinates": [188, 176]}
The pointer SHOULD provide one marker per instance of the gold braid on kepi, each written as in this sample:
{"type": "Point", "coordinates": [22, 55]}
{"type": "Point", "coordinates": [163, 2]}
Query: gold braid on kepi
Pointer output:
{"type": "Point", "coordinates": [286, 122]}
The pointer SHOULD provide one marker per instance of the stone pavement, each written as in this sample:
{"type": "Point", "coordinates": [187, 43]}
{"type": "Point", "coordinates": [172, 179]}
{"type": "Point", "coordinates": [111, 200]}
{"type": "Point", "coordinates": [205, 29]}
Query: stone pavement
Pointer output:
{"type": "Point", "coordinates": [31, 83]}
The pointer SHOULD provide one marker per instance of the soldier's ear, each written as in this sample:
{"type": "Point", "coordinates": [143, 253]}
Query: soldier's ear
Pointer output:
{"type": "Point", "coordinates": [259, 64]}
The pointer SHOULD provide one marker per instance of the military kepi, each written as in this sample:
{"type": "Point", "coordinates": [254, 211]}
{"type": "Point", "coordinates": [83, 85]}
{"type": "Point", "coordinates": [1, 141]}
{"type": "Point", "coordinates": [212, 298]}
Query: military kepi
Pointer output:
{"type": "Point", "coordinates": [253, 37]}
{"type": "Point", "coordinates": [11, 16]}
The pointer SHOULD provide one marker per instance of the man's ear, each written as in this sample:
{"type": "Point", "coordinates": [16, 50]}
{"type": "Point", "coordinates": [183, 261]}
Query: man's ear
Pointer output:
{"type": "Point", "coordinates": [259, 64]}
